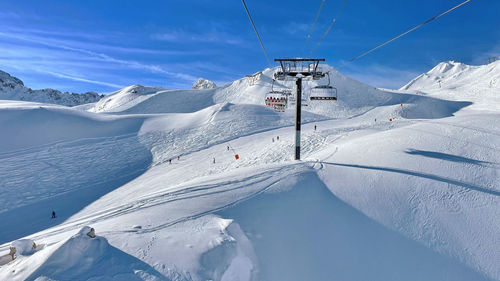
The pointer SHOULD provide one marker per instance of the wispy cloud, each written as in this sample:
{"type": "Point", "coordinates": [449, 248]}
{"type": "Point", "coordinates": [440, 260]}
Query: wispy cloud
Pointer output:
{"type": "Point", "coordinates": [211, 36]}
{"type": "Point", "coordinates": [79, 79]}
{"type": "Point", "coordinates": [97, 56]}
{"type": "Point", "coordinates": [381, 76]}
{"type": "Point", "coordinates": [482, 58]}
{"type": "Point", "coordinates": [16, 15]}
{"type": "Point", "coordinates": [296, 28]}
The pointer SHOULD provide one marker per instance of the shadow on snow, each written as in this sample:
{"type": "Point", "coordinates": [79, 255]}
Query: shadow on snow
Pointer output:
{"type": "Point", "coordinates": [309, 234]}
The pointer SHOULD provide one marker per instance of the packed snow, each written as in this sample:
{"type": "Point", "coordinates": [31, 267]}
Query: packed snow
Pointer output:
{"type": "Point", "coordinates": [202, 185]}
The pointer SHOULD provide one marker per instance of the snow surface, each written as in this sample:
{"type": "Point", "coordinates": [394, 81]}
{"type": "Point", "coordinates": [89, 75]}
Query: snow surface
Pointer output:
{"type": "Point", "coordinates": [12, 88]}
{"type": "Point", "coordinates": [393, 185]}
{"type": "Point", "coordinates": [457, 81]}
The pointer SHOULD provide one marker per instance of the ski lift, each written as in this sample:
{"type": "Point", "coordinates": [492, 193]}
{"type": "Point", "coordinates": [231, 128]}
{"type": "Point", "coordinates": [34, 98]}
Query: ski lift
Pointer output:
{"type": "Point", "coordinates": [278, 100]}
{"type": "Point", "coordinates": [324, 92]}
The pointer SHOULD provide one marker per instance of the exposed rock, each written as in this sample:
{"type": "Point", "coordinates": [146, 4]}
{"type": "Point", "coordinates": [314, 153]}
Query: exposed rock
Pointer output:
{"type": "Point", "coordinates": [203, 84]}
{"type": "Point", "coordinates": [12, 88]}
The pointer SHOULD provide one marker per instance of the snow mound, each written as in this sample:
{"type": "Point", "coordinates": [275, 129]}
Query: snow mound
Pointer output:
{"type": "Point", "coordinates": [203, 84]}
{"type": "Point", "coordinates": [12, 88]}
{"type": "Point", "coordinates": [83, 258]}
{"type": "Point", "coordinates": [125, 98]}
{"type": "Point", "coordinates": [24, 246]}
{"type": "Point", "coordinates": [342, 243]}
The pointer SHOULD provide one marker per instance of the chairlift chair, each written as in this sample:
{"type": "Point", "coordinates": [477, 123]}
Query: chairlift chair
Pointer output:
{"type": "Point", "coordinates": [324, 92]}
{"type": "Point", "coordinates": [278, 100]}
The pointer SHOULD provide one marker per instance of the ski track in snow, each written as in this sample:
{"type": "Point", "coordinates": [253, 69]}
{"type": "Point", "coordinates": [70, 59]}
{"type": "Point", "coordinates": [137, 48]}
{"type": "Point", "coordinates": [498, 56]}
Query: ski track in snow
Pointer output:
{"type": "Point", "coordinates": [430, 174]}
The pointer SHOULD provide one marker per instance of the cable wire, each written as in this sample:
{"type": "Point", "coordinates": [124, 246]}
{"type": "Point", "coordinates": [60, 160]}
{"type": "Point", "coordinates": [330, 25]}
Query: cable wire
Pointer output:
{"type": "Point", "coordinates": [329, 27]}
{"type": "Point", "coordinates": [401, 35]}
{"type": "Point", "coordinates": [313, 25]}
{"type": "Point", "coordinates": [256, 32]}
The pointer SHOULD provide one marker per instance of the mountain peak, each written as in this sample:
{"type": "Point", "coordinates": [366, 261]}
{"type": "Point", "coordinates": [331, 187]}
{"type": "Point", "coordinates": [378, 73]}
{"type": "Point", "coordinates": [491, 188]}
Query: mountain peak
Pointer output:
{"type": "Point", "coordinates": [202, 84]}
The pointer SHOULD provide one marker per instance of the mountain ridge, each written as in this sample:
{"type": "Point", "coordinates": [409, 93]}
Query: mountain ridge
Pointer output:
{"type": "Point", "coordinates": [13, 88]}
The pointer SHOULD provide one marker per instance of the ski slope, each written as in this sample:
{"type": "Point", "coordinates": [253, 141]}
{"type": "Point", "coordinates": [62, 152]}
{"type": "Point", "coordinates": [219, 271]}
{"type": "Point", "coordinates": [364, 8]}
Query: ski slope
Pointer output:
{"type": "Point", "coordinates": [393, 185]}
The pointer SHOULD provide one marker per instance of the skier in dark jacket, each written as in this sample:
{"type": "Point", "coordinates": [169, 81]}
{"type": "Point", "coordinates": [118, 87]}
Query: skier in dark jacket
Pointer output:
{"type": "Point", "coordinates": [53, 215]}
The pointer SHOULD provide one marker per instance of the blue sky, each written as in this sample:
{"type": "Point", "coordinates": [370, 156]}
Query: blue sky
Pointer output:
{"type": "Point", "coordinates": [104, 45]}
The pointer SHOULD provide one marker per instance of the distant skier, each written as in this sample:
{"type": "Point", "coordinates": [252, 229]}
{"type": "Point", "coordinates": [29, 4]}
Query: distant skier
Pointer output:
{"type": "Point", "coordinates": [53, 215]}
{"type": "Point", "coordinates": [278, 138]}
{"type": "Point", "coordinates": [228, 148]}
{"type": "Point", "coordinates": [214, 160]}
{"type": "Point", "coordinates": [170, 161]}
{"type": "Point", "coordinates": [179, 157]}
{"type": "Point", "coordinates": [315, 127]}
{"type": "Point", "coordinates": [273, 139]}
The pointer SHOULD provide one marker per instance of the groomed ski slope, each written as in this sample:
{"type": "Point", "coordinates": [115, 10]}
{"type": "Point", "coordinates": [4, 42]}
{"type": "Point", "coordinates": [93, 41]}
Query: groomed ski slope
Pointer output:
{"type": "Point", "coordinates": [415, 198]}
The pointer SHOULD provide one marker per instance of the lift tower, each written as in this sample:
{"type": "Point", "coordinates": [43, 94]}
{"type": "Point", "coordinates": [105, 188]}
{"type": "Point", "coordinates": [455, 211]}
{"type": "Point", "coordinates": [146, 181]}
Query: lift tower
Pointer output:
{"type": "Point", "coordinates": [298, 69]}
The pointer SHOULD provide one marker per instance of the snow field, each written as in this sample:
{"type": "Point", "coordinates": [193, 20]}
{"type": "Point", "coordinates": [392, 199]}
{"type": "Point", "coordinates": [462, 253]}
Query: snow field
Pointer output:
{"type": "Point", "coordinates": [415, 198]}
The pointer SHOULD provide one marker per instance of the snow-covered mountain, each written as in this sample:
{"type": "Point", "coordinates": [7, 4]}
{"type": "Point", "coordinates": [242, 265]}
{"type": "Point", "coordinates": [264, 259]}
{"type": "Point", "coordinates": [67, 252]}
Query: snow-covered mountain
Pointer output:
{"type": "Point", "coordinates": [392, 185]}
{"type": "Point", "coordinates": [203, 84]}
{"type": "Point", "coordinates": [459, 81]}
{"type": "Point", "coordinates": [12, 88]}
{"type": "Point", "coordinates": [143, 99]}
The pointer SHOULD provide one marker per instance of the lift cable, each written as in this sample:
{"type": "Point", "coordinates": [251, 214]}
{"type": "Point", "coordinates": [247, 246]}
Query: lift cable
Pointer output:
{"type": "Point", "coordinates": [329, 27]}
{"type": "Point", "coordinates": [401, 35]}
{"type": "Point", "coordinates": [258, 36]}
{"type": "Point", "coordinates": [314, 24]}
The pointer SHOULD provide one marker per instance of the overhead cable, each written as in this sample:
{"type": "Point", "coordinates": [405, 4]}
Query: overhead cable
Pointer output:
{"type": "Point", "coordinates": [314, 24]}
{"type": "Point", "coordinates": [256, 32]}
{"type": "Point", "coordinates": [403, 34]}
{"type": "Point", "coordinates": [329, 27]}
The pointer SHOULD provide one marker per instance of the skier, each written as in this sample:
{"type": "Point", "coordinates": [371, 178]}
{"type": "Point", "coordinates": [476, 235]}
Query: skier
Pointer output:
{"type": "Point", "coordinates": [178, 157]}
{"type": "Point", "coordinates": [273, 139]}
{"type": "Point", "coordinates": [278, 138]}
{"type": "Point", "coordinates": [228, 148]}
{"type": "Point", "coordinates": [214, 160]}
{"type": "Point", "coordinates": [170, 161]}
{"type": "Point", "coordinates": [53, 215]}
{"type": "Point", "coordinates": [315, 127]}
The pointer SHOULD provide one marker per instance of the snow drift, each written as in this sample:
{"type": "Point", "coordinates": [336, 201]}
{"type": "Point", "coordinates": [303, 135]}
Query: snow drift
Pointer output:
{"type": "Point", "coordinates": [81, 258]}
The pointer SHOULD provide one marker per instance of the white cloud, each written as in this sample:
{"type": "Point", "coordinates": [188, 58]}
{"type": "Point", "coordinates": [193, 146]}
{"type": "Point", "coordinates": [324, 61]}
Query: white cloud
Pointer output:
{"type": "Point", "coordinates": [381, 76]}
{"type": "Point", "coordinates": [211, 36]}
{"type": "Point", "coordinates": [99, 57]}
{"type": "Point", "coordinates": [80, 79]}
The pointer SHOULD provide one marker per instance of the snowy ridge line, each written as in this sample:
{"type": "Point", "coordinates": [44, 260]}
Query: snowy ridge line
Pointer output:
{"type": "Point", "coordinates": [155, 201]}
{"type": "Point", "coordinates": [33, 149]}
{"type": "Point", "coordinates": [467, 186]}
{"type": "Point", "coordinates": [242, 199]}
{"type": "Point", "coordinates": [454, 139]}
{"type": "Point", "coordinates": [478, 129]}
